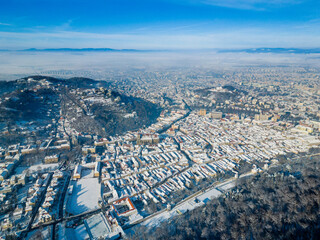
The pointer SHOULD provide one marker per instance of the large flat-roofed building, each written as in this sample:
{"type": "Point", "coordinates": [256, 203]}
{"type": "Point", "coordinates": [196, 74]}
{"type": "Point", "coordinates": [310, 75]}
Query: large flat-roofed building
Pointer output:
{"type": "Point", "coordinates": [261, 117]}
{"type": "Point", "coordinates": [203, 112]}
{"type": "Point", "coordinates": [146, 139]}
{"type": "Point", "coordinates": [77, 172]}
{"type": "Point", "coordinates": [216, 115]}
{"type": "Point", "coordinates": [97, 168]}
{"type": "Point", "coordinates": [51, 159]}
{"type": "Point", "coordinates": [124, 207]}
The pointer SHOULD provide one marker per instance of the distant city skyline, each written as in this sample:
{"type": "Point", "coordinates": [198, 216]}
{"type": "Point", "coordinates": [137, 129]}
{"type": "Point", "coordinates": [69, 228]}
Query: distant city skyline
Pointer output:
{"type": "Point", "coordinates": [159, 24]}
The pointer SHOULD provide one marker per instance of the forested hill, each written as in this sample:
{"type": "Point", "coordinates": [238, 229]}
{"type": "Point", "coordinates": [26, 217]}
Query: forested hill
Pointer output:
{"type": "Point", "coordinates": [282, 203]}
{"type": "Point", "coordinates": [87, 106]}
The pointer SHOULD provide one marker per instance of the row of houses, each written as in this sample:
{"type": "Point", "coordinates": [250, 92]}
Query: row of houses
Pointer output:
{"type": "Point", "coordinates": [46, 212]}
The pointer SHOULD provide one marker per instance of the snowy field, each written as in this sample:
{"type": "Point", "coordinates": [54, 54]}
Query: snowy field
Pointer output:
{"type": "Point", "coordinates": [44, 167]}
{"type": "Point", "coordinates": [97, 225]}
{"type": "Point", "coordinates": [38, 167]}
{"type": "Point", "coordinates": [86, 193]}
{"type": "Point", "coordinates": [209, 195]}
{"type": "Point", "coordinates": [79, 233]}
{"type": "Point", "coordinates": [94, 227]}
{"type": "Point", "coordinates": [44, 233]}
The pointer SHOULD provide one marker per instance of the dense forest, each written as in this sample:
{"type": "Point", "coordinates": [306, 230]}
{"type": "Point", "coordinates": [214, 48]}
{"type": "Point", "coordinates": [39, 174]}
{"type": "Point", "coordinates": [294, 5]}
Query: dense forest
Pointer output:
{"type": "Point", "coordinates": [281, 203]}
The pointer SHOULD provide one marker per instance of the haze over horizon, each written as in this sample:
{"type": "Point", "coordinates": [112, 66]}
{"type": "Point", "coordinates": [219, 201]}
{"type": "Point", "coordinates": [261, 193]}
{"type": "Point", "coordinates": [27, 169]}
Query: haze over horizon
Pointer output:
{"type": "Point", "coordinates": [159, 24]}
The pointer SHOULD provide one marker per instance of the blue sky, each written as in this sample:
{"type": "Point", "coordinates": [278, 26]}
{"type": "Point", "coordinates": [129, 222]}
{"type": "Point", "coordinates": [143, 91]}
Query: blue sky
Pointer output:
{"type": "Point", "coordinates": [159, 24]}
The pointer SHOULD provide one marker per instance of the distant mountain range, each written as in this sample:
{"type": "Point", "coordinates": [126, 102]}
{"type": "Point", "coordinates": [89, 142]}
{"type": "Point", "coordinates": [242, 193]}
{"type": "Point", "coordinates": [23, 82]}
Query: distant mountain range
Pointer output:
{"type": "Point", "coordinates": [79, 50]}
{"type": "Point", "coordinates": [247, 50]}
{"type": "Point", "coordinates": [274, 50]}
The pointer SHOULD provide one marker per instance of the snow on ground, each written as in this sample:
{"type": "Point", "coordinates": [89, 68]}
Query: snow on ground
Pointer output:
{"type": "Point", "coordinates": [38, 167]}
{"type": "Point", "coordinates": [44, 233]}
{"type": "Point", "coordinates": [104, 101]}
{"type": "Point", "coordinates": [47, 167]}
{"type": "Point", "coordinates": [155, 221]}
{"type": "Point", "coordinates": [179, 209]}
{"type": "Point", "coordinates": [68, 234]}
{"type": "Point", "coordinates": [227, 186]}
{"type": "Point", "coordinates": [209, 195]}
{"type": "Point", "coordinates": [135, 217]}
{"type": "Point", "coordinates": [97, 225]}
{"type": "Point", "coordinates": [81, 233]}
{"type": "Point", "coordinates": [86, 193]}
{"type": "Point", "coordinates": [62, 232]}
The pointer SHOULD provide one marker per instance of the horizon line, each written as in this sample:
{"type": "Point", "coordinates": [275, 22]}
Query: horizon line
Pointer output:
{"type": "Point", "coordinates": [220, 50]}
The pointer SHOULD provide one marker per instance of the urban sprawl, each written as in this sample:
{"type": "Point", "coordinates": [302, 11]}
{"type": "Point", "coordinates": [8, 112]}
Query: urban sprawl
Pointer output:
{"type": "Point", "coordinates": [79, 185]}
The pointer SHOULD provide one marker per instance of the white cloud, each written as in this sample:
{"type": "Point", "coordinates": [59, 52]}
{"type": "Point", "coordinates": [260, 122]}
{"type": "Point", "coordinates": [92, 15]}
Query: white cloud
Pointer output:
{"type": "Point", "coordinates": [243, 4]}
{"type": "Point", "coordinates": [5, 24]}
